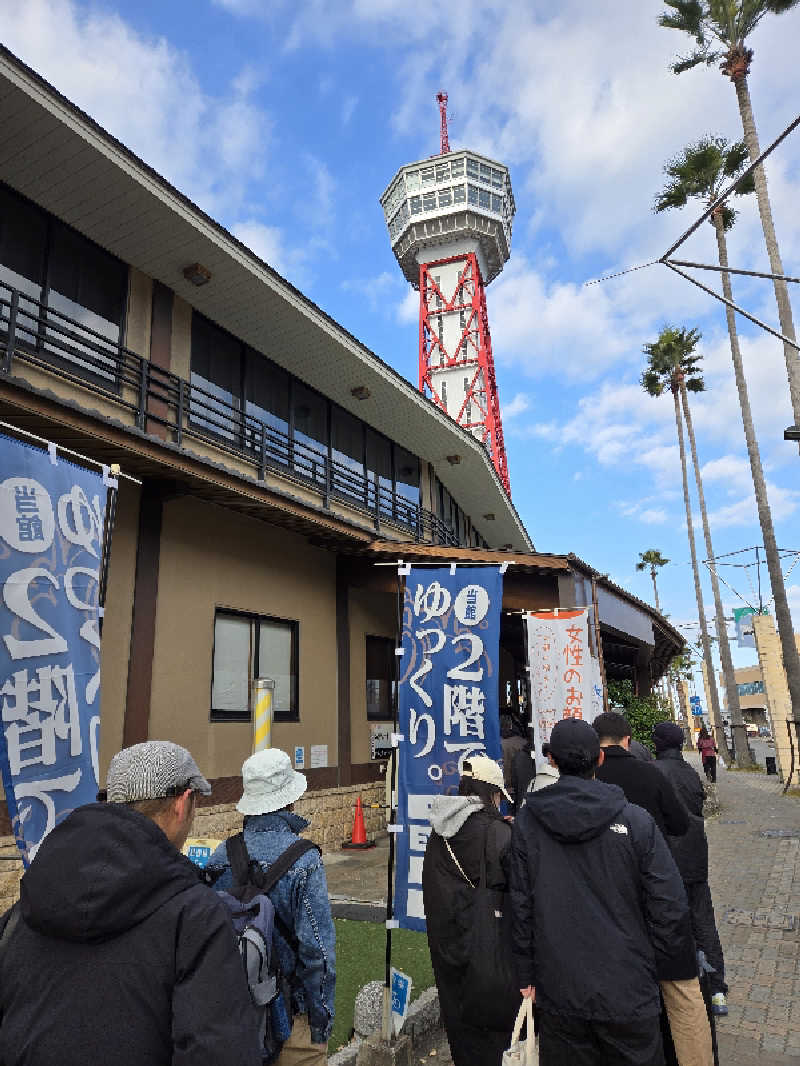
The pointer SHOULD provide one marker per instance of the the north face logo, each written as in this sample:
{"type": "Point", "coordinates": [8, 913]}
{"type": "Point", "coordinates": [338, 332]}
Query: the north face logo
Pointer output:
{"type": "Point", "coordinates": [618, 827]}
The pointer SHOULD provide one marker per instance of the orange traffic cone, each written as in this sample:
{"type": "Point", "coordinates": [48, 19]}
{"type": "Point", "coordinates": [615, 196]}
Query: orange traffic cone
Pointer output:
{"type": "Point", "coordinates": [359, 835]}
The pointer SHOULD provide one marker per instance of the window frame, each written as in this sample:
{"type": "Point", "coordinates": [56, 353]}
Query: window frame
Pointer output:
{"type": "Point", "coordinates": [392, 710]}
{"type": "Point", "coordinates": [255, 620]}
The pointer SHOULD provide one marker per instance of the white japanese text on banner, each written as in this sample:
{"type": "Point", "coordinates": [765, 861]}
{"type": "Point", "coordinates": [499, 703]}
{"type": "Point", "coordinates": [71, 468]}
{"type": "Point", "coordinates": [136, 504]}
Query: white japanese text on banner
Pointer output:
{"type": "Point", "coordinates": [447, 704]}
{"type": "Point", "coordinates": [51, 545]}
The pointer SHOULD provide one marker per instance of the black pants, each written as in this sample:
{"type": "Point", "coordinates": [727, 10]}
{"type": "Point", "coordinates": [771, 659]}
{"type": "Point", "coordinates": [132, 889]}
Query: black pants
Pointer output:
{"type": "Point", "coordinates": [704, 928]}
{"type": "Point", "coordinates": [710, 769]}
{"type": "Point", "coordinates": [565, 1041]}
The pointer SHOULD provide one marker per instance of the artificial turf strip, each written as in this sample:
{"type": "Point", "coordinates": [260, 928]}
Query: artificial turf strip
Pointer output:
{"type": "Point", "coordinates": [360, 955]}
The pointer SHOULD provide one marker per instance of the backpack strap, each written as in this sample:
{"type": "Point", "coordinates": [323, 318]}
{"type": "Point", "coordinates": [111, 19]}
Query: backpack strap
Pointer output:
{"type": "Point", "coordinates": [267, 879]}
{"type": "Point", "coordinates": [239, 859]}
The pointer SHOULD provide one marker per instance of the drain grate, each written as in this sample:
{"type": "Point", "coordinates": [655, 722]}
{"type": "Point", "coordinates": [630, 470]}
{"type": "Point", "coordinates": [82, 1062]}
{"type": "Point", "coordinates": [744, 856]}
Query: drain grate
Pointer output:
{"type": "Point", "coordinates": [786, 923]}
{"type": "Point", "coordinates": [783, 834]}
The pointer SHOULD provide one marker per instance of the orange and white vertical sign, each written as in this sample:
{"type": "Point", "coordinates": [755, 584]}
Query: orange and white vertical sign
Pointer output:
{"type": "Point", "coordinates": [563, 673]}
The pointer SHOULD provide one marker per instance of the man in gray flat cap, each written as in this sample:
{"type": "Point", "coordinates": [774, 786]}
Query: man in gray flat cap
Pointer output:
{"type": "Point", "coordinates": [117, 952]}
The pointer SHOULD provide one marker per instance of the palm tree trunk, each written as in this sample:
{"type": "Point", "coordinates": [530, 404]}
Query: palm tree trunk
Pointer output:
{"type": "Point", "coordinates": [743, 756]}
{"type": "Point", "coordinates": [722, 744]}
{"type": "Point", "coordinates": [783, 617]}
{"type": "Point", "coordinates": [655, 588]}
{"type": "Point", "coordinates": [790, 354]}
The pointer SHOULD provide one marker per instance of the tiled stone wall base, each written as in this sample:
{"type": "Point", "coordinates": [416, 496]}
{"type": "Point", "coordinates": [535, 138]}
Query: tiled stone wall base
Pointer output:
{"type": "Point", "coordinates": [330, 812]}
{"type": "Point", "coordinates": [10, 873]}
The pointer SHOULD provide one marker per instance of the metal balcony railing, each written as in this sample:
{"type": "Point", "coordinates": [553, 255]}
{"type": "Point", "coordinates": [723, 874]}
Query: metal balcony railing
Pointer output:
{"type": "Point", "coordinates": [39, 336]}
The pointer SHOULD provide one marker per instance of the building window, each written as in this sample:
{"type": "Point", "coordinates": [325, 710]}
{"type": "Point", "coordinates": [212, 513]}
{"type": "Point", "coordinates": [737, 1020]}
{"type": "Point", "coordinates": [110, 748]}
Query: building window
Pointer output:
{"type": "Point", "coordinates": [412, 181]}
{"type": "Point", "coordinates": [73, 277]}
{"type": "Point", "coordinates": [457, 168]}
{"type": "Point", "coordinates": [429, 201]}
{"type": "Point", "coordinates": [443, 393]}
{"type": "Point", "coordinates": [442, 172]}
{"type": "Point", "coordinates": [380, 679]}
{"type": "Point", "coordinates": [473, 170]}
{"type": "Point", "coordinates": [751, 688]}
{"type": "Point", "coordinates": [416, 205]}
{"type": "Point", "coordinates": [445, 197]}
{"type": "Point", "coordinates": [486, 173]}
{"type": "Point", "coordinates": [472, 194]}
{"type": "Point", "coordinates": [427, 176]}
{"type": "Point", "coordinates": [216, 380]}
{"type": "Point", "coordinates": [459, 194]}
{"type": "Point", "coordinates": [484, 198]}
{"type": "Point", "coordinates": [247, 646]}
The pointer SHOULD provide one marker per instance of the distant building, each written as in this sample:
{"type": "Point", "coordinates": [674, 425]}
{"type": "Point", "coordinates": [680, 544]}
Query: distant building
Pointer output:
{"type": "Point", "coordinates": [752, 695]}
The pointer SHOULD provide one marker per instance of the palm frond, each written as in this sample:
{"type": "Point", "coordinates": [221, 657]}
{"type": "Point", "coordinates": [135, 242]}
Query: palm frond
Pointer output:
{"type": "Point", "coordinates": [695, 385]}
{"type": "Point", "coordinates": [684, 63]}
{"type": "Point", "coordinates": [736, 159]}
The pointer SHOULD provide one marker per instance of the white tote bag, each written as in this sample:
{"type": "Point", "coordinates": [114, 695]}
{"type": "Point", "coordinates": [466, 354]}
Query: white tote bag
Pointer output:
{"type": "Point", "coordinates": [523, 1053]}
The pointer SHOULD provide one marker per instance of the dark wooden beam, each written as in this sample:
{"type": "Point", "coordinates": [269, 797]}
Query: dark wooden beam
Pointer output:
{"type": "Point", "coordinates": [143, 626]}
{"type": "Point", "coordinates": [343, 672]}
{"type": "Point", "coordinates": [160, 350]}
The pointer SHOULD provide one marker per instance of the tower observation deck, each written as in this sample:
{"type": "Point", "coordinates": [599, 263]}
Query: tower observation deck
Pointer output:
{"type": "Point", "coordinates": [450, 219]}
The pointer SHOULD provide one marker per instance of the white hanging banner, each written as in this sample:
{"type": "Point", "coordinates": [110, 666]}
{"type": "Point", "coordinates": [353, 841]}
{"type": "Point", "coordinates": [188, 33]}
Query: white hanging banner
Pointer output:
{"type": "Point", "coordinates": [565, 678]}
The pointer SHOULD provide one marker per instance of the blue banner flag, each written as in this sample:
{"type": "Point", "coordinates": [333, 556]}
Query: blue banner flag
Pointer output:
{"type": "Point", "coordinates": [447, 704]}
{"type": "Point", "coordinates": [51, 543]}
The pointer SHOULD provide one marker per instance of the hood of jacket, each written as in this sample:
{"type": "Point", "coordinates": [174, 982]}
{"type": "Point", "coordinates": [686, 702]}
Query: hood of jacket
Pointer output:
{"type": "Point", "coordinates": [574, 810]}
{"type": "Point", "coordinates": [448, 813]}
{"type": "Point", "coordinates": [103, 870]}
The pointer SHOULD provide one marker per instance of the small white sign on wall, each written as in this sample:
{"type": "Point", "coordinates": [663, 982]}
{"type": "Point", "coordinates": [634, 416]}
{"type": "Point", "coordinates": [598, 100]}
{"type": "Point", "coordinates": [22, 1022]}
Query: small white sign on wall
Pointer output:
{"type": "Point", "coordinates": [299, 758]}
{"type": "Point", "coordinates": [319, 756]}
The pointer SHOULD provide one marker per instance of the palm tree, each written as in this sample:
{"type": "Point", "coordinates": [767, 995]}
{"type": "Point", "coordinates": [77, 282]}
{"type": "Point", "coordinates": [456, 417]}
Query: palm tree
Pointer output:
{"type": "Point", "coordinates": [672, 365]}
{"type": "Point", "coordinates": [654, 560]}
{"type": "Point", "coordinates": [720, 29]}
{"type": "Point", "coordinates": [701, 172]}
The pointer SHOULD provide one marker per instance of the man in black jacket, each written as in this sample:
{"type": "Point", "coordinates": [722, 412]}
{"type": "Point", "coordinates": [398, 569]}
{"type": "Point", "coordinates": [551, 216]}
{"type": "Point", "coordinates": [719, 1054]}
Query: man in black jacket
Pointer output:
{"type": "Point", "coordinates": [691, 854]}
{"type": "Point", "coordinates": [640, 781]}
{"type": "Point", "coordinates": [599, 913]}
{"type": "Point", "coordinates": [117, 953]}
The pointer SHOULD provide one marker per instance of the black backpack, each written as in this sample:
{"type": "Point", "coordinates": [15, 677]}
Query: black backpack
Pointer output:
{"type": "Point", "coordinates": [254, 921]}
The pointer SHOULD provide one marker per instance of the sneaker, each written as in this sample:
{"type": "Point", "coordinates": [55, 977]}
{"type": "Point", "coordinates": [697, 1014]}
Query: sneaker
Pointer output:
{"type": "Point", "coordinates": [719, 1005]}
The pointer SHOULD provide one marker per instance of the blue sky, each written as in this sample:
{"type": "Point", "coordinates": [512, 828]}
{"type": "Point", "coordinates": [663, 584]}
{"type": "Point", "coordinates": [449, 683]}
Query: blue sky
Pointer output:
{"type": "Point", "coordinates": [286, 121]}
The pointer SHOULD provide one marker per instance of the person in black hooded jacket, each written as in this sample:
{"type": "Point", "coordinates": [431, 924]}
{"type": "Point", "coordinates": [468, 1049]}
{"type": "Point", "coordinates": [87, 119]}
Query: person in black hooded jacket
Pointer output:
{"type": "Point", "coordinates": [691, 854]}
{"type": "Point", "coordinates": [464, 827]}
{"type": "Point", "coordinates": [117, 952]}
{"type": "Point", "coordinates": [599, 913]}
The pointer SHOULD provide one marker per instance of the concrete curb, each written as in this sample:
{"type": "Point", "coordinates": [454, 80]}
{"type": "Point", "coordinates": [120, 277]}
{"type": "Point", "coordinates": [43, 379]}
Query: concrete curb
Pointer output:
{"type": "Point", "coordinates": [423, 1016]}
{"type": "Point", "coordinates": [358, 910]}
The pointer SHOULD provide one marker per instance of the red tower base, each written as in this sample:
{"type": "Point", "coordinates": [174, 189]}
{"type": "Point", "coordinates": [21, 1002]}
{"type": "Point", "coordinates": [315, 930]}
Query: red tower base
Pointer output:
{"type": "Point", "coordinates": [454, 336]}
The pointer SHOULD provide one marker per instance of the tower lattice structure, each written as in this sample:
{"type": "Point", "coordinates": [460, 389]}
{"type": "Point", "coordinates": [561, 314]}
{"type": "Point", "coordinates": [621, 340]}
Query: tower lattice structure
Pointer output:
{"type": "Point", "coordinates": [450, 218]}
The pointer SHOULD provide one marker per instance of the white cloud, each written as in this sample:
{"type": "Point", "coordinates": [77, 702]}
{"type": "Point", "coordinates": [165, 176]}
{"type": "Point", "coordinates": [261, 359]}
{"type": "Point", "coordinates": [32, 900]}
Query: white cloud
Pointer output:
{"type": "Point", "coordinates": [349, 105]}
{"type": "Point", "coordinates": [519, 404]}
{"type": "Point", "coordinates": [653, 516]}
{"type": "Point", "coordinates": [145, 92]}
{"type": "Point", "coordinates": [408, 309]}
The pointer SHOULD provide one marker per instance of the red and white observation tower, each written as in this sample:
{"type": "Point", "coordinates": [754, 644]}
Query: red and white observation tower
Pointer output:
{"type": "Point", "coordinates": [449, 219]}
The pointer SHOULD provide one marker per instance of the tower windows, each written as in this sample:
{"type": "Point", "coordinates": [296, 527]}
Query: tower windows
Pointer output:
{"type": "Point", "coordinates": [416, 205]}
{"type": "Point", "coordinates": [427, 176]}
{"type": "Point", "coordinates": [444, 395]}
{"type": "Point", "coordinates": [457, 168]}
{"type": "Point", "coordinates": [429, 201]}
{"type": "Point", "coordinates": [484, 198]}
{"type": "Point", "coordinates": [442, 172]}
{"type": "Point", "coordinates": [472, 194]}
{"type": "Point", "coordinates": [459, 194]}
{"type": "Point", "coordinates": [486, 173]}
{"type": "Point", "coordinates": [473, 170]}
{"type": "Point", "coordinates": [445, 197]}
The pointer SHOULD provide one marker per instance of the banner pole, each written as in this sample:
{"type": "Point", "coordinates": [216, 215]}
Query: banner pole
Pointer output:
{"type": "Point", "coordinates": [391, 786]}
{"type": "Point", "coordinates": [599, 642]}
{"type": "Point", "coordinates": [105, 554]}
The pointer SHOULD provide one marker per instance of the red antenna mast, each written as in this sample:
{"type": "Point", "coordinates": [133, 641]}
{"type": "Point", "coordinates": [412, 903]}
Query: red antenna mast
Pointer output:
{"type": "Point", "coordinates": [441, 97]}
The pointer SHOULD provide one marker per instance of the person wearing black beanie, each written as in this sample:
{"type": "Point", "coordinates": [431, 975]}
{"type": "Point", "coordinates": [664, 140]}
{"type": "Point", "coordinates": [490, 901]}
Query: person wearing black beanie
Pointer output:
{"type": "Point", "coordinates": [691, 853]}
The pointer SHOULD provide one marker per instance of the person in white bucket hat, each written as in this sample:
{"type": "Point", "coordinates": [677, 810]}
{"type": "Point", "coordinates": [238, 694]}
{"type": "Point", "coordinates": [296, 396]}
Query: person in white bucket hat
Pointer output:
{"type": "Point", "coordinates": [304, 931]}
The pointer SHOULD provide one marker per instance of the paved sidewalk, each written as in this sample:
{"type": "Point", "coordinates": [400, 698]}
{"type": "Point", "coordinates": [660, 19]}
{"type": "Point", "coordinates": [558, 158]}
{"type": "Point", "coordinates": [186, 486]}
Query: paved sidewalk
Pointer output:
{"type": "Point", "coordinates": [755, 881]}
